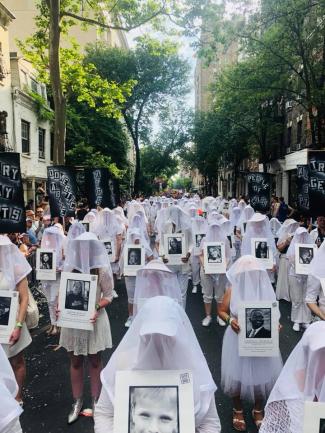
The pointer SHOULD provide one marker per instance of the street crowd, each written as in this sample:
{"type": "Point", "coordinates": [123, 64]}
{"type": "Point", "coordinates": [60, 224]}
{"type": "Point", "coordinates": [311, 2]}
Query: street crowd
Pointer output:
{"type": "Point", "coordinates": [160, 335]}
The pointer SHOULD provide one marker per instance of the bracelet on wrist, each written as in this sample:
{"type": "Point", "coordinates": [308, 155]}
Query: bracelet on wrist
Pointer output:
{"type": "Point", "coordinates": [228, 320]}
{"type": "Point", "coordinates": [18, 325]}
{"type": "Point", "coordinates": [97, 307]}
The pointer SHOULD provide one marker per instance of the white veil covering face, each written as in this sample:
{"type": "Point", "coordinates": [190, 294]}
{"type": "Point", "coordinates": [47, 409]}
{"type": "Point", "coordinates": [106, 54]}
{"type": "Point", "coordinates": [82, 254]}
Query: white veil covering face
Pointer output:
{"type": "Point", "coordinates": [301, 236]}
{"type": "Point", "coordinates": [54, 239]}
{"type": "Point", "coordinates": [107, 225]}
{"type": "Point", "coordinates": [199, 225]}
{"type": "Point", "coordinates": [155, 279]}
{"type": "Point", "coordinates": [218, 233]}
{"type": "Point", "coordinates": [246, 214]}
{"type": "Point", "coordinates": [13, 264]}
{"type": "Point", "coordinates": [177, 216]}
{"type": "Point", "coordinates": [9, 407]}
{"type": "Point", "coordinates": [90, 217]}
{"type": "Point", "coordinates": [135, 207]}
{"type": "Point", "coordinates": [138, 222]}
{"type": "Point", "coordinates": [87, 253]}
{"type": "Point", "coordinates": [234, 218]}
{"type": "Point", "coordinates": [317, 266]}
{"type": "Point", "coordinates": [275, 226]}
{"type": "Point", "coordinates": [120, 213]}
{"type": "Point", "coordinates": [134, 234]}
{"type": "Point", "coordinates": [76, 229]}
{"type": "Point", "coordinates": [257, 227]}
{"type": "Point", "coordinates": [162, 338]}
{"type": "Point", "coordinates": [287, 229]}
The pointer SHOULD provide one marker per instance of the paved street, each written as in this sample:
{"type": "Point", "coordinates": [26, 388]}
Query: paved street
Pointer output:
{"type": "Point", "coordinates": [48, 396]}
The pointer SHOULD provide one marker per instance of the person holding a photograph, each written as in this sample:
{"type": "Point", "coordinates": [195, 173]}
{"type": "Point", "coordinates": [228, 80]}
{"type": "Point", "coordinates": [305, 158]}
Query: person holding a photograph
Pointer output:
{"type": "Point", "coordinates": [199, 230]}
{"type": "Point", "coordinates": [315, 295]}
{"type": "Point", "coordinates": [53, 239]}
{"type": "Point", "coordinates": [161, 338]}
{"type": "Point", "coordinates": [302, 379]}
{"type": "Point", "coordinates": [14, 270]}
{"type": "Point", "coordinates": [318, 234]}
{"type": "Point", "coordinates": [214, 285]}
{"type": "Point", "coordinates": [87, 255]}
{"type": "Point", "coordinates": [245, 216]}
{"type": "Point", "coordinates": [300, 313]}
{"type": "Point", "coordinates": [246, 378]}
{"type": "Point", "coordinates": [178, 222]}
{"type": "Point", "coordinates": [10, 410]}
{"type": "Point", "coordinates": [135, 237]}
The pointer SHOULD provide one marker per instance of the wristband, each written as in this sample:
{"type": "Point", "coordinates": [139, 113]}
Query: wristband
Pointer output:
{"type": "Point", "coordinates": [97, 307]}
{"type": "Point", "coordinates": [228, 320]}
{"type": "Point", "coordinates": [18, 325]}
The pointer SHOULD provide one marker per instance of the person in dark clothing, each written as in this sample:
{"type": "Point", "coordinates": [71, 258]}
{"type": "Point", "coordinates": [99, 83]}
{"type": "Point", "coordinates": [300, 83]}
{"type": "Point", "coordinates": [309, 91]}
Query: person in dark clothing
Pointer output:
{"type": "Point", "coordinates": [285, 211]}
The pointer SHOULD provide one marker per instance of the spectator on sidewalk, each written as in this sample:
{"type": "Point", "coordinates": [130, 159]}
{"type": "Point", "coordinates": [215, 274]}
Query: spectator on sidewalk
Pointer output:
{"type": "Point", "coordinates": [284, 211]}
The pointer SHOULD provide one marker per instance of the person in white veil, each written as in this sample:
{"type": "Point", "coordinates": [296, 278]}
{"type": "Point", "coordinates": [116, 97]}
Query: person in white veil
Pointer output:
{"type": "Point", "coordinates": [284, 235]}
{"type": "Point", "coordinates": [10, 409]}
{"type": "Point", "coordinates": [88, 255]}
{"type": "Point", "coordinates": [199, 230]}
{"type": "Point", "coordinates": [177, 221]}
{"type": "Point", "coordinates": [214, 285]}
{"type": "Point", "coordinates": [134, 237]}
{"type": "Point", "coordinates": [302, 379]}
{"type": "Point", "coordinates": [53, 239]}
{"type": "Point", "coordinates": [275, 226]}
{"type": "Point", "coordinates": [235, 231]}
{"type": "Point", "coordinates": [300, 313]}
{"type": "Point", "coordinates": [161, 338]}
{"type": "Point", "coordinates": [245, 216]}
{"type": "Point", "coordinates": [246, 378]}
{"type": "Point", "coordinates": [315, 296]}
{"type": "Point", "coordinates": [91, 219]}
{"type": "Point", "coordinates": [155, 279]}
{"type": "Point", "coordinates": [14, 270]}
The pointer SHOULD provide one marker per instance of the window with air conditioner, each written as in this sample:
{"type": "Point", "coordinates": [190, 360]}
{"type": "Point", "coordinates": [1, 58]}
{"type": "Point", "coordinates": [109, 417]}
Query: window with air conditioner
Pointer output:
{"type": "Point", "coordinates": [41, 143]}
{"type": "Point", "coordinates": [25, 137]}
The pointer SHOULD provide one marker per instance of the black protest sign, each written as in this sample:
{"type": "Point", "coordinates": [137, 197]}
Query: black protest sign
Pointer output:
{"type": "Point", "coordinates": [303, 188]}
{"type": "Point", "coordinates": [316, 163]}
{"type": "Point", "coordinates": [12, 211]}
{"type": "Point", "coordinates": [62, 190]}
{"type": "Point", "coordinates": [259, 191]}
{"type": "Point", "coordinates": [98, 188]}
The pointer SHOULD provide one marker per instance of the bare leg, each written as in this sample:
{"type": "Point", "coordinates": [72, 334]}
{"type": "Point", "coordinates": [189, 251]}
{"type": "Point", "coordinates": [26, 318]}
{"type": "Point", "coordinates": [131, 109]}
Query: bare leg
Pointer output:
{"type": "Point", "coordinates": [258, 412]}
{"type": "Point", "coordinates": [238, 419]}
{"type": "Point", "coordinates": [207, 308]}
{"type": "Point", "coordinates": [95, 367]}
{"type": "Point", "coordinates": [77, 375]}
{"type": "Point", "coordinates": [130, 309]}
{"type": "Point", "coordinates": [18, 365]}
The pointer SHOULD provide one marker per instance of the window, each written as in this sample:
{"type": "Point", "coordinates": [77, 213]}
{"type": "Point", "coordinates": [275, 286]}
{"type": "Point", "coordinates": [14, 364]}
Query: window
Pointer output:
{"type": "Point", "coordinates": [299, 132]}
{"type": "Point", "coordinates": [52, 146]}
{"type": "Point", "coordinates": [34, 85]}
{"type": "Point", "coordinates": [25, 137]}
{"type": "Point", "coordinates": [41, 143]}
{"type": "Point", "coordinates": [43, 92]}
{"type": "Point", "coordinates": [289, 135]}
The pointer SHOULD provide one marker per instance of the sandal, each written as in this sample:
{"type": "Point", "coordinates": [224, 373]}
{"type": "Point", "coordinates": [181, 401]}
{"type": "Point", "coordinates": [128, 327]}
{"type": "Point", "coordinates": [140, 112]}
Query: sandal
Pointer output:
{"type": "Point", "coordinates": [258, 422]}
{"type": "Point", "coordinates": [237, 423]}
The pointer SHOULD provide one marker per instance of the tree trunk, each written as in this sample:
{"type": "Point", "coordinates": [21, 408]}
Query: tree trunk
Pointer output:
{"type": "Point", "coordinates": [137, 173]}
{"type": "Point", "coordinates": [55, 75]}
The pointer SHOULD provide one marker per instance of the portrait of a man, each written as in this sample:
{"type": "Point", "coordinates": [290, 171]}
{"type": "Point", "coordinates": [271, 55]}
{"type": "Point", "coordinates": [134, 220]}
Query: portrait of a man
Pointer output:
{"type": "Point", "coordinates": [108, 247]}
{"type": "Point", "coordinates": [46, 261]}
{"type": "Point", "coordinates": [174, 245]}
{"type": "Point", "coordinates": [306, 255]}
{"type": "Point", "coordinates": [153, 409]}
{"type": "Point", "coordinates": [261, 250]}
{"type": "Point", "coordinates": [214, 254]}
{"type": "Point", "coordinates": [5, 303]}
{"type": "Point", "coordinates": [77, 295]}
{"type": "Point", "coordinates": [256, 326]}
{"type": "Point", "coordinates": [134, 256]}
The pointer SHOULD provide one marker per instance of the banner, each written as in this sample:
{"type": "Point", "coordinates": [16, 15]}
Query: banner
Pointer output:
{"type": "Point", "coordinates": [62, 190]}
{"type": "Point", "coordinates": [12, 211]}
{"type": "Point", "coordinates": [303, 188]}
{"type": "Point", "coordinates": [316, 163]}
{"type": "Point", "coordinates": [98, 188]}
{"type": "Point", "coordinates": [259, 191]}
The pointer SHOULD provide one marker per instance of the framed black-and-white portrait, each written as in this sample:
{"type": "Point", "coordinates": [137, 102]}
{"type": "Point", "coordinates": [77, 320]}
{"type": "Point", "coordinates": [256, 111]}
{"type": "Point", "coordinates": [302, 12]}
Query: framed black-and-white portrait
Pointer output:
{"type": "Point", "coordinates": [198, 239]}
{"type": "Point", "coordinates": [262, 251]}
{"type": "Point", "coordinates": [214, 258]}
{"type": "Point", "coordinates": [304, 254]}
{"type": "Point", "coordinates": [175, 248]}
{"type": "Point", "coordinates": [77, 300]}
{"type": "Point", "coordinates": [259, 324]}
{"type": "Point", "coordinates": [45, 264]}
{"type": "Point", "coordinates": [110, 249]}
{"type": "Point", "coordinates": [134, 259]}
{"type": "Point", "coordinates": [314, 417]}
{"type": "Point", "coordinates": [86, 225]}
{"type": "Point", "coordinates": [149, 402]}
{"type": "Point", "coordinates": [8, 313]}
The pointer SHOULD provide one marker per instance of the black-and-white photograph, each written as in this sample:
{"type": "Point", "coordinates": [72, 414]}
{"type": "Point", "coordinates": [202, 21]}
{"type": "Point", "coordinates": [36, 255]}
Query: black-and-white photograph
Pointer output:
{"type": "Point", "coordinates": [134, 257]}
{"type": "Point", "coordinates": [46, 260]}
{"type": "Point", "coordinates": [5, 303]}
{"type": "Point", "coordinates": [77, 295]}
{"type": "Point", "coordinates": [261, 250]}
{"type": "Point", "coordinates": [108, 247]}
{"type": "Point", "coordinates": [322, 425]}
{"type": "Point", "coordinates": [153, 409]}
{"type": "Point", "coordinates": [258, 323]}
{"type": "Point", "coordinates": [86, 226]}
{"type": "Point", "coordinates": [214, 254]}
{"type": "Point", "coordinates": [175, 245]}
{"type": "Point", "coordinates": [198, 239]}
{"type": "Point", "coordinates": [306, 255]}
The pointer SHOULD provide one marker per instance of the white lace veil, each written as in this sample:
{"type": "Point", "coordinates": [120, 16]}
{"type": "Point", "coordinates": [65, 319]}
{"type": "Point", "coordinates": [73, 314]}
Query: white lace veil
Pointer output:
{"type": "Point", "coordinates": [9, 407]}
{"type": "Point", "coordinates": [287, 229]}
{"type": "Point", "coordinates": [234, 218]}
{"type": "Point", "coordinates": [177, 216]}
{"type": "Point", "coordinates": [54, 239]}
{"type": "Point", "coordinates": [13, 263]}
{"type": "Point", "coordinates": [275, 226]}
{"type": "Point", "coordinates": [246, 214]}
{"type": "Point", "coordinates": [90, 217]}
{"type": "Point", "coordinates": [257, 227]}
{"type": "Point", "coordinates": [162, 338]}
{"type": "Point", "coordinates": [107, 225]}
{"type": "Point", "coordinates": [155, 279]}
{"type": "Point", "coordinates": [250, 282]}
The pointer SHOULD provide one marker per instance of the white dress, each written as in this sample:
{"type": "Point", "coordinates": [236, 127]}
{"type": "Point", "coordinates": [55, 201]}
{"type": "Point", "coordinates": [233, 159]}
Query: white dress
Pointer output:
{"type": "Point", "coordinates": [25, 338]}
{"type": "Point", "coordinates": [82, 342]}
{"type": "Point", "coordinates": [282, 286]}
{"type": "Point", "coordinates": [285, 416]}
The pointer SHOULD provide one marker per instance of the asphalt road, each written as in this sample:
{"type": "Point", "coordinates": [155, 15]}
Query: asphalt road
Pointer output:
{"type": "Point", "coordinates": [47, 394]}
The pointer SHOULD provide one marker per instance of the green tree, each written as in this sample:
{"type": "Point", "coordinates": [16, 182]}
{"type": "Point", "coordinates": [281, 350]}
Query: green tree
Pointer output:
{"type": "Point", "coordinates": [159, 73]}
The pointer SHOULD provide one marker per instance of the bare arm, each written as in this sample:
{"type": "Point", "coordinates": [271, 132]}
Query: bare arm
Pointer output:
{"type": "Point", "coordinates": [224, 310]}
{"type": "Point", "coordinates": [314, 308]}
{"type": "Point", "coordinates": [22, 288]}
